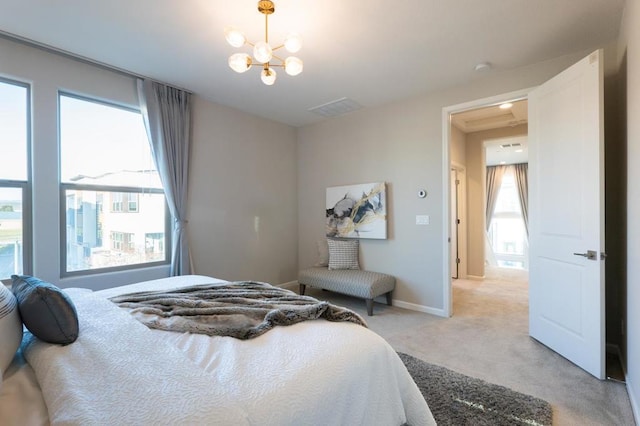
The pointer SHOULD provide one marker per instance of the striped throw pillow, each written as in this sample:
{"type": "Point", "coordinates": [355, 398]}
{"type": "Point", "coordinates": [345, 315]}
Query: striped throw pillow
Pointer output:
{"type": "Point", "coordinates": [10, 328]}
{"type": "Point", "coordinates": [343, 254]}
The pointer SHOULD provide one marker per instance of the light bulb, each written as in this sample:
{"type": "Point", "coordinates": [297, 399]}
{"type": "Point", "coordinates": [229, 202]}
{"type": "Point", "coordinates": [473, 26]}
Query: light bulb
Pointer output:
{"type": "Point", "coordinates": [293, 65]}
{"type": "Point", "coordinates": [262, 52]}
{"type": "Point", "coordinates": [268, 76]}
{"type": "Point", "coordinates": [234, 37]}
{"type": "Point", "coordinates": [293, 42]}
{"type": "Point", "coordinates": [239, 62]}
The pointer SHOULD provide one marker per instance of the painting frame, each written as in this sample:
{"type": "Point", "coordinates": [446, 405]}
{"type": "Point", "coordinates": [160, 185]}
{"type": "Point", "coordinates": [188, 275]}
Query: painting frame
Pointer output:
{"type": "Point", "coordinates": [356, 211]}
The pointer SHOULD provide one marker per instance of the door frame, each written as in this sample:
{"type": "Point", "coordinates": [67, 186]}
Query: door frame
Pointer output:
{"type": "Point", "coordinates": [447, 290]}
{"type": "Point", "coordinates": [461, 172]}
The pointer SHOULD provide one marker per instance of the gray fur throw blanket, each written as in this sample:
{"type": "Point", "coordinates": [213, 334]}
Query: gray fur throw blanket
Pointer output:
{"type": "Point", "coordinates": [242, 309]}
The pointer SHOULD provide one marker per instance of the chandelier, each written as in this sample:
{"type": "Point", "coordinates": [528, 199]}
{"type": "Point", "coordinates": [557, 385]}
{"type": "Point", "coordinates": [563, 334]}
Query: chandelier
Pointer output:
{"type": "Point", "coordinates": [263, 53]}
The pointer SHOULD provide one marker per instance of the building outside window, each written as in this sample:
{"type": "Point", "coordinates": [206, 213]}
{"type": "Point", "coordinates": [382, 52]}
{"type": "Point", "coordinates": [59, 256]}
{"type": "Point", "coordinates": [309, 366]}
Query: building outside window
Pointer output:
{"type": "Point", "coordinates": [105, 156]}
{"type": "Point", "coordinates": [15, 207]}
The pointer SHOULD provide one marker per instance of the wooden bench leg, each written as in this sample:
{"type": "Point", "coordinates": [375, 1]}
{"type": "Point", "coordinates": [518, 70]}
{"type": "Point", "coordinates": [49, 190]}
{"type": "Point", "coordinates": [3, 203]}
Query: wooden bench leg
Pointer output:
{"type": "Point", "coordinates": [370, 307]}
{"type": "Point", "coordinates": [389, 301]}
{"type": "Point", "coordinates": [302, 288]}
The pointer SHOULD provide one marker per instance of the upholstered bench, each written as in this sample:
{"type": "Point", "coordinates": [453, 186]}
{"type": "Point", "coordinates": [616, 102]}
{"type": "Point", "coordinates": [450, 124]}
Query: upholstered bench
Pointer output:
{"type": "Point", "coordinates": [353, 282]}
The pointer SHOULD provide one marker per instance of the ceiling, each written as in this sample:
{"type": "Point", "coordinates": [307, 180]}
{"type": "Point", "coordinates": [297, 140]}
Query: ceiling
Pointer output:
{"type": "Point", "coordinates": [491, 117]}
{"type": "Point", "coordinates": [511, 150]}
{"type": "Point", "coordinates": [370, 53]}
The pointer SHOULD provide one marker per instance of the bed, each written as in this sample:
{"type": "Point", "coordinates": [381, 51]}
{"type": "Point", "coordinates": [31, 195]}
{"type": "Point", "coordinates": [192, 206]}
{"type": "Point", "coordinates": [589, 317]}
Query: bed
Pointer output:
{"type": "Point", "coordinates": [119, 371]}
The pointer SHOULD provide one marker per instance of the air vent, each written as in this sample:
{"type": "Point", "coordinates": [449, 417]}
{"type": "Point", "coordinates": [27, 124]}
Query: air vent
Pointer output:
{"type": "Point", "coordinates": [335, 108]}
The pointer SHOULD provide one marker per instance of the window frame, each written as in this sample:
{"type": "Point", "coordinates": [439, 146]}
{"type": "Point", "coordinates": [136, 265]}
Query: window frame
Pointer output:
{"type": "Point", "coordinates": [64, 187]}
{"type": "Point", "coordinates": [25, 186]}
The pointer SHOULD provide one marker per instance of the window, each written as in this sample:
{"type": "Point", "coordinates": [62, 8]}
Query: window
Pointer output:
{"type": "Point", "coordinates": [106, 158]}
{"type": "Point", "coordinates": [507, 234]}
{"type": "Point", "coordinates": [15, 208]}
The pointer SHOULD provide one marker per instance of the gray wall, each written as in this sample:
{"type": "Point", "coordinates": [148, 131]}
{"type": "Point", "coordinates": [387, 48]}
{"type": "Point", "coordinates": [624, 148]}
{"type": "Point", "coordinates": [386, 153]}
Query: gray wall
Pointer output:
{"type": "Point", "coordinates": [401, 144]}
{"type": "Point", "coordinates": [242, 197]}
{"type": "Point", "coordinates": [629, 60]}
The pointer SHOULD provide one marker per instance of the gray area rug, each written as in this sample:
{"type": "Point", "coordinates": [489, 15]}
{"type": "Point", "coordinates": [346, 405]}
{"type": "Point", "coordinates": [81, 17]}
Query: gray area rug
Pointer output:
{"type": "Point", "coordinates": [456, 399]}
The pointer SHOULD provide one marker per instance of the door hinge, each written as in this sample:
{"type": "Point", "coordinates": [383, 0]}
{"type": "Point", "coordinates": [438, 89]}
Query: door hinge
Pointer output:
{"type": "Point", "coordinates": [458, 260]}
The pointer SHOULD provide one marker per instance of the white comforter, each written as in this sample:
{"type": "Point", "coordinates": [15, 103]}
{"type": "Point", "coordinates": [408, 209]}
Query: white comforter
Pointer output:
{"type": "Point", "coordinates": [315, 372]}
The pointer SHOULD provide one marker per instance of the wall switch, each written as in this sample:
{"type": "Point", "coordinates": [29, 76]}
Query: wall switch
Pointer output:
{"type": "Point", "coordinates": [422, 219]}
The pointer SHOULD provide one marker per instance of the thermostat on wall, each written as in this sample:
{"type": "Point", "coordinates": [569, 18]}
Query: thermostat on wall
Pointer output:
{"type": "Point", "coordinates": [422, 193]}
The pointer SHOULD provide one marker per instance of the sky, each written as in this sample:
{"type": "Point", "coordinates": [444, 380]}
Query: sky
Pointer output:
{"type": "Point", "coordinates": [95, 138]}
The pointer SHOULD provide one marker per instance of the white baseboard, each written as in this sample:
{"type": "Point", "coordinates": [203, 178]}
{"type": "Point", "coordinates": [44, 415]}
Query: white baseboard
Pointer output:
{"type": "Point", "coordinates": [419, 308]}
{"type": "Point", "coordinates": [635, 407]}
{"type": "Point", "coordinates": [475, 277]}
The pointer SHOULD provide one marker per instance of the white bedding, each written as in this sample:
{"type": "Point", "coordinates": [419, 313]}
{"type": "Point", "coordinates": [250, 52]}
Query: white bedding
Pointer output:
{"type": "Point", "coordinates": [313, 372]}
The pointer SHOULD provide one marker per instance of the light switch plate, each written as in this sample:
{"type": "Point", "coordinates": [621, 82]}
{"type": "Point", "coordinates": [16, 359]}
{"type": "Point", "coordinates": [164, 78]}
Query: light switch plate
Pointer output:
{"type": "Point", "coordinates": [422, 219]}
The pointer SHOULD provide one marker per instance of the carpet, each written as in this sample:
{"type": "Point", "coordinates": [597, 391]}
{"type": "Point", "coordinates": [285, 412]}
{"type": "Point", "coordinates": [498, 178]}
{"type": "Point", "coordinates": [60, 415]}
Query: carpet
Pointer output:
{"type": "Point", "coordinates": [456, 399]}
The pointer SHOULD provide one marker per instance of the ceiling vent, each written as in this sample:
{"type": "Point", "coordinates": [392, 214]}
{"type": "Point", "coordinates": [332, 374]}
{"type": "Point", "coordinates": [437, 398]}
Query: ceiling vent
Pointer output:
{"type": "Point", "coordinates": [335, 108]}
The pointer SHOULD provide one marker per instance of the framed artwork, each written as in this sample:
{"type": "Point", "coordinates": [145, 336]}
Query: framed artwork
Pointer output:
{"type": "Point", "coordinates": [357, 211]}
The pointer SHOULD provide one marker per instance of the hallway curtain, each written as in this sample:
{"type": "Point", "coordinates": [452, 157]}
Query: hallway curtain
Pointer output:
{"type": "Point", "coordinates": [167, 117]}
{"type": "Point", "coordinates": [520, 173]}
{"type": "Point", "coordinates": [494, 181]}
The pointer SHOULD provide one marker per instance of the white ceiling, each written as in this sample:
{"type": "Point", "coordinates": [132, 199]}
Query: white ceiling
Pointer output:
{"type": "Point", "coordinates": [369, 52]}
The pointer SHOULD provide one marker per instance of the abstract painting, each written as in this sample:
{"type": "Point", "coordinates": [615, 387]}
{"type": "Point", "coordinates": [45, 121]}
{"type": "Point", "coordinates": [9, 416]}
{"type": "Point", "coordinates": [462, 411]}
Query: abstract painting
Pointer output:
{"type": "Point", "coordinates": [357, 211]}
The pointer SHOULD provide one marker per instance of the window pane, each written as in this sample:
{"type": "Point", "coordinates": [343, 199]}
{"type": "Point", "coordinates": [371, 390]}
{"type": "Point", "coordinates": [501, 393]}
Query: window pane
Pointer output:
{"type": "Point", "coordinates": [99, 236]}
{"type": "Point", "coordinates": [104, 145]}
{"type": "Point", "coordinates": [15, 131]}
{"type": "Point", "coordinates": [11, 232]}
{"type": "Point", "coordinates": [507, 201]}
{"type": "Point", "coordinates": [507, 235]}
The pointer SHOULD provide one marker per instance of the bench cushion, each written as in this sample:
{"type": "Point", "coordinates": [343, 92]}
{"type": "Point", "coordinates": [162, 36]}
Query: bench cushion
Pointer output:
{"type": "Point", "coordinates": [358, 283]}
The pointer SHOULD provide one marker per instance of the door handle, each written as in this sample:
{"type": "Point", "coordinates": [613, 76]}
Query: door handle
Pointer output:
{"type": "Point", "coordinates": [590, 254]}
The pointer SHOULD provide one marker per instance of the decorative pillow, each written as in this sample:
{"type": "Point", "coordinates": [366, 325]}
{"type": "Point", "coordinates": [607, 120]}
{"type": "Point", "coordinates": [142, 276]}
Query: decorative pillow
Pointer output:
{"type": "Point", "coordinates": [323, 253]}
{"type": "Point", "coordinates": [10, 328]}
{"type": "Point", "coordinates": [46, 311]}
{"type": "Point", "coordinates": [343, 254]}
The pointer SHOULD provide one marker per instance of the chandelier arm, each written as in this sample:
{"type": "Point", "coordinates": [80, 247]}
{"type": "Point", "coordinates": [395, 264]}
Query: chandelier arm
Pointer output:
{"type": "Point", "coordinates": [277, 47]}
{"type": "Point", "coordinates": [278, 58]}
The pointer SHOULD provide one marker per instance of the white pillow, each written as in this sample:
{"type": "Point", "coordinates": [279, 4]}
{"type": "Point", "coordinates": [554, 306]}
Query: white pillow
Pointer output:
{"type": "Point", "coordinates": [10, 328]}
{"type": "Point", "coordinates": [343, 254]}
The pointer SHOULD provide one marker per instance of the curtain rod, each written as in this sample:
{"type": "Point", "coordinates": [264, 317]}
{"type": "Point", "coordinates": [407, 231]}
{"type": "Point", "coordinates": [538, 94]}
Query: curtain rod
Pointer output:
{"type": "Point", "coordinates": [78, 58]}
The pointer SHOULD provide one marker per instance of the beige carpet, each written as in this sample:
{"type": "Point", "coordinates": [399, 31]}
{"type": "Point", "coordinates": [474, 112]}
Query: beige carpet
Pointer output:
{"type": "Point", "coordinates": [487, 338]}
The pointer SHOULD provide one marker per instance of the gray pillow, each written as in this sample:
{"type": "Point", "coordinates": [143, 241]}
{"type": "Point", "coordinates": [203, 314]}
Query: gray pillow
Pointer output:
{"type": "Point", "coordinates": [343, 254]}
{"type": "Point", "coordinates": [46, 311]}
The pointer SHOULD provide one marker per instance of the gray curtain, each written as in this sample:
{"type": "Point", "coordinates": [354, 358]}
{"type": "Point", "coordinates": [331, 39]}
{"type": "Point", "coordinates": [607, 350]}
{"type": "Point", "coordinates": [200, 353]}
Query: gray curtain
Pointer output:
{"type": "Point", "coordinates": [167, 118]}
{"type": "Point", "coordinates": [520, 172]}
{"type": "Point", "coordinates": [494, 181]}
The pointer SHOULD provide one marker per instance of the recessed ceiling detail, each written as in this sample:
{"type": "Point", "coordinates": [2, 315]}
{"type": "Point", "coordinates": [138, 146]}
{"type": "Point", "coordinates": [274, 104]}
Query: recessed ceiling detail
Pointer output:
{"type": "Point", "coordinates": [492, 117]}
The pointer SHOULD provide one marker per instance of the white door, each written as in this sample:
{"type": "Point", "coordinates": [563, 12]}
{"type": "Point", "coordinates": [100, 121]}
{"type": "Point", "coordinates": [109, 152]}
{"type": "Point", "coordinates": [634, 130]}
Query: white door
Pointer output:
{"type": "Point", "coordinates": [566, 215]}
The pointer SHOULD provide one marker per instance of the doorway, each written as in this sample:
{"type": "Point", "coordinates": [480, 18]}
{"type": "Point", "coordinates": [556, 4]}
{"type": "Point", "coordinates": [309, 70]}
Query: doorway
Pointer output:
{"type": "Point", "coordinates": [488, 144]}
